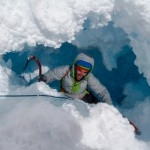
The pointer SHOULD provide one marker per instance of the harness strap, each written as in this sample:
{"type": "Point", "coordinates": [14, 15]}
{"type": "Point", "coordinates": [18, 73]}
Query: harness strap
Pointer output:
{"type": "Point", "coordinates": [61, 81]}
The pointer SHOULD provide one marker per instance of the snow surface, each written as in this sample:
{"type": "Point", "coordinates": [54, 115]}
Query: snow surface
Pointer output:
{"type": "Point", "coordinates": [43, 123]}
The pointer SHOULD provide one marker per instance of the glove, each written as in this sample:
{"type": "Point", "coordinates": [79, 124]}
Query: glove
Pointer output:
{"type": "Point", "coordinates": [42, 78]}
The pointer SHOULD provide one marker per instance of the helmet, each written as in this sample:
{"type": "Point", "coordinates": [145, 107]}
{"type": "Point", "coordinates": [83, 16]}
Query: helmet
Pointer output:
{"type": "Point", "coordinates": [84, 64]}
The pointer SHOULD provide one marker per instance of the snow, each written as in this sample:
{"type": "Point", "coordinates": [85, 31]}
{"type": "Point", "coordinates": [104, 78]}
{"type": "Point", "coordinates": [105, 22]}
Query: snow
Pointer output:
{"type": "Point", "coordinates": [108, 30]}
{"type": "Point", "coordinates": [49, 123]}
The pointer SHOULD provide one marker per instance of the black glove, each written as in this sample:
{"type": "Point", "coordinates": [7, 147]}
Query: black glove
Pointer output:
{"type": "Point", "coordinates": [42, 78]}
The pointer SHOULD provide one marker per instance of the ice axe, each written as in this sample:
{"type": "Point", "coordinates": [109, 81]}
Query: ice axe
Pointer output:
{"type": "Point", "coordinates": [32, 57]}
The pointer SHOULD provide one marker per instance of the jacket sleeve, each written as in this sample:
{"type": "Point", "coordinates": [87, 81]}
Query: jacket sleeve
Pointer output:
{"type": "Point", "coordinates": [56, 74]}
{"type": "Point", "coordinates": [100, 90]}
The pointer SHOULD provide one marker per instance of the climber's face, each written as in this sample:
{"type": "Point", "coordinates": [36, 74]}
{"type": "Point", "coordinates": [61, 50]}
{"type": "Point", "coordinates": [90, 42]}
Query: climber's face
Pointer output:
{"type": "Point", "coordinates": [80, 73]}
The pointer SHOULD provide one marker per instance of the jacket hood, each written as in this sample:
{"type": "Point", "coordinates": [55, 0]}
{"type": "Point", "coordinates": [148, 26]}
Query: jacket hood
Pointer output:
{"type": "Point", "coordinates": [84, 61]}
{"type": "Point", "coordinates": [85, 58]}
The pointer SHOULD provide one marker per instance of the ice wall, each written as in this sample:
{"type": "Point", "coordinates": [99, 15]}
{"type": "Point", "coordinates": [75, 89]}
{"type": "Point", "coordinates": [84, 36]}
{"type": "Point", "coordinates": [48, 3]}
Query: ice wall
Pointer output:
{"type": "Point", "coordinates": [134, 18]}
{"type": "Point", "coordinates": [47, 22]}
{"type": "Point", "coordinates": [52, 23]}
{"type": "Point", "coordinates": [108, 25]}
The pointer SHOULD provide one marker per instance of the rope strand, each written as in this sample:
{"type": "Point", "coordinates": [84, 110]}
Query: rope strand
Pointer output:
{"type": "Point", "coordinates": [34, 95]}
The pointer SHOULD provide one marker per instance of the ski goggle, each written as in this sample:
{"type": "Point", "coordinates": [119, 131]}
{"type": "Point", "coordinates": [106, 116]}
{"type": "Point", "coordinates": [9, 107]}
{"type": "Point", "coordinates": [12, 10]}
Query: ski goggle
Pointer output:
{"type": "Point", "coordinates": [80, 68]}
